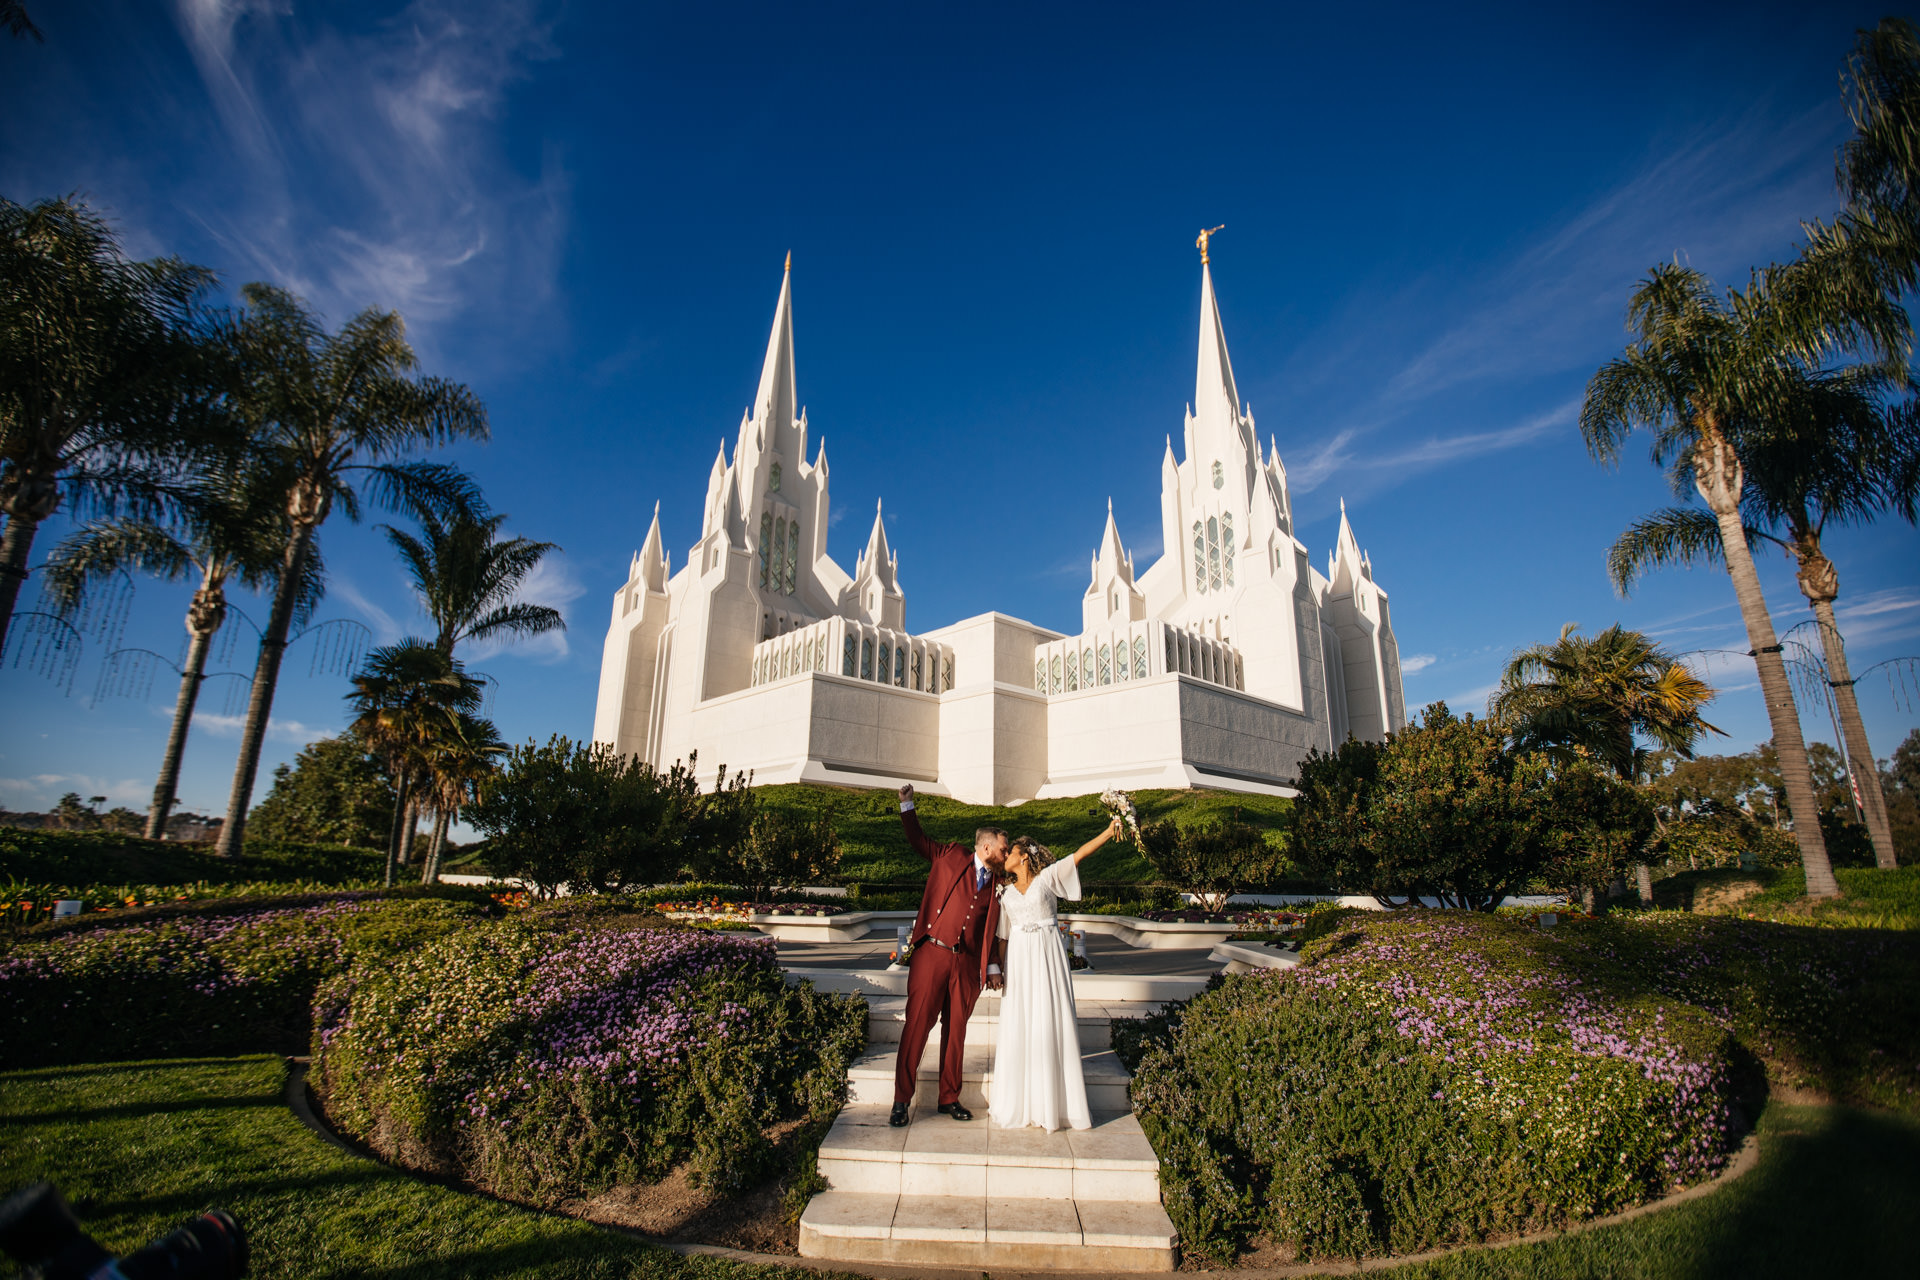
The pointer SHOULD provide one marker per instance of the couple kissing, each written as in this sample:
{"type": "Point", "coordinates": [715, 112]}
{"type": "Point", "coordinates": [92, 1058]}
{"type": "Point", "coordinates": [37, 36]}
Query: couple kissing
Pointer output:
{"type": "Point", "coordinates": [989, 918]}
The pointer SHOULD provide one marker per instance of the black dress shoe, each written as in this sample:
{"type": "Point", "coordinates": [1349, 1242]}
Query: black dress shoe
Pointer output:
{"type": "Point", "coordinates": [955, 1110]}
{"type": "Point", "coordinates": [899, 1117]}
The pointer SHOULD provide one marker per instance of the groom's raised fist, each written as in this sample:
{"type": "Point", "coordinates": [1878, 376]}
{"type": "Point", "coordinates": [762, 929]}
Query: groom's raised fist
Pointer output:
{"type": "Point", "coordinates": [906, 792]}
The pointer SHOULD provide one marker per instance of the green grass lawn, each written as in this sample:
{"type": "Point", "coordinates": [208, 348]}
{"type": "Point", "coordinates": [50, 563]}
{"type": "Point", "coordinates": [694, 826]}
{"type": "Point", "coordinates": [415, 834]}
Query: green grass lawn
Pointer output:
{"type": "Point", "coordinates": [97, 857]}
{"type": "Point", "coordinates": [1836, 1193]}
{"type": "Point", "coordinates": [1870, 898]}
{"type": "Point", "coordinates": [140, 1147]}
{"type": "Point", "coordinates": [873, 850]}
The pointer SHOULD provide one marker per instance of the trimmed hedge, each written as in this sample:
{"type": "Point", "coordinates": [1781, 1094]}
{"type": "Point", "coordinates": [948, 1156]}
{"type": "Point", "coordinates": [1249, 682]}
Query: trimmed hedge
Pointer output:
{"type": "Point", "coordinates": [1429, 1078]}
{"type": "Point", "coordinates": [198, 979]}
{"type": "Point", "coordinates": [100, 857]}
{"type": "Point", "coordinates": [577, 1045]}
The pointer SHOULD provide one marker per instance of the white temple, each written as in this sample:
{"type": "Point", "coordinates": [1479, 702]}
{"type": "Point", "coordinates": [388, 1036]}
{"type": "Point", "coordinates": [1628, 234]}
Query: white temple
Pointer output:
{"type": "Point", "coordinates": [1219, 666]}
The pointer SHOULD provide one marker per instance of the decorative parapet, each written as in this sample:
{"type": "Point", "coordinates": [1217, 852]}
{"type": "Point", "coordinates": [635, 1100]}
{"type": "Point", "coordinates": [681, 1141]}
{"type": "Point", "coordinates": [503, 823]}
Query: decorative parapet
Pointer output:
{"type": "Point", "coordinates": [848, 647]}
{"type": "Point", "coordinates": [1134, 651]}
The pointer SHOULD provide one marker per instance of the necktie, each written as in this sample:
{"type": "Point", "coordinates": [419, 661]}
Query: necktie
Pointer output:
{"type": "Point", "coordinates": [979, 879]}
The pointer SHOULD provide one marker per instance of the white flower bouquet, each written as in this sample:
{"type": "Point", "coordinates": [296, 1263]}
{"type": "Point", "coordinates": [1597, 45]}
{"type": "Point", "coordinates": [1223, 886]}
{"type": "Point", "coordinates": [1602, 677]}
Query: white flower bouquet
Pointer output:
{"type": "Point", "coordinates": [1119, 804]}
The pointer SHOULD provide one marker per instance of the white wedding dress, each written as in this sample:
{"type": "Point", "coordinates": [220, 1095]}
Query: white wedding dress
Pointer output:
{"type": "Point", "coordinates": [1036, 1057]}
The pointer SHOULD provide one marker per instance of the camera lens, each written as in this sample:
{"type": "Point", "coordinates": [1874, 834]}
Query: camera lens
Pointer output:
{"type": "Point", "coordinates": [211, 1247]}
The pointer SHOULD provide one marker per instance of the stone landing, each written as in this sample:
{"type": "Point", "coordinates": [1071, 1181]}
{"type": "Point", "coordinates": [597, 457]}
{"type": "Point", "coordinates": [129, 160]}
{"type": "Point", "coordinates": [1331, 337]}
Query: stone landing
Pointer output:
{"type": "Point", "coordinates": [947, 1194]}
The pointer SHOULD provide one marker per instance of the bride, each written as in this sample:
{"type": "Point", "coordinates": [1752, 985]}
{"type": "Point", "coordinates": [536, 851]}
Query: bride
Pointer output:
{"type": "Point", "coordinates": [1036, 1056]}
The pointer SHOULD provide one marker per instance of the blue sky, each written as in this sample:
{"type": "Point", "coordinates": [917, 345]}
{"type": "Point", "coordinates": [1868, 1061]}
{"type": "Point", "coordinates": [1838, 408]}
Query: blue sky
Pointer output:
{"type": "Point", "coordinates": [1433, 219]}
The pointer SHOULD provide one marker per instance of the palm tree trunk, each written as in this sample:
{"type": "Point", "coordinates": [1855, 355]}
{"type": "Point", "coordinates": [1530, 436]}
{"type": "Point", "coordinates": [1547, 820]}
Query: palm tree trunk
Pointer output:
{"type": "Point", "coordinates": [266, 675]}
{"type": "Point", "coordinates": [1643, 879]}
{"type": "Point", "coordinates": [432, 872]}
{"type": "Point", "coordinates": [402, 810]}
{"type": "Point", "coordinates": [1860, 763]}
{"type": "Point", "coordinates": [409, 833]}
{"type": "Point", "coordinates": [1719, 477]}
{"type": "Point", "coordinates": [15, 545]}
{"type": "Point", "coordinates": [204, 618]}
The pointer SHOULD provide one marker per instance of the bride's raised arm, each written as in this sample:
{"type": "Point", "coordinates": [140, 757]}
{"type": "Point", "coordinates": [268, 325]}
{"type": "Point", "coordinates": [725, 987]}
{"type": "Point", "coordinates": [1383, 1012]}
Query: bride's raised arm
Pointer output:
{"type": "Point", "coordinates": [1113, 829]}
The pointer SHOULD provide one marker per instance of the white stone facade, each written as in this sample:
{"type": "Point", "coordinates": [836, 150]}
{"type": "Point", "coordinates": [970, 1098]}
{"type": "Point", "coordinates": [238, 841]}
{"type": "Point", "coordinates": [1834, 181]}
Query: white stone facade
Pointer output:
{"type": "Point", "coordinates": [1219, 666]}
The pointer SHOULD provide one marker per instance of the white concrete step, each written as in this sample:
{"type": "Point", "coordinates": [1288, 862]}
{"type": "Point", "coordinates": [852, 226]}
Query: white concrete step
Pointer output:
{"type": "Point", "coordinates": [988, 1231]}
{"type": "Point", "coordinates": [939, 1156]}
{"type": "Point", "coordinates": [870, 1078]}
{"type": "Point", "coordinates": [887, 1020]}
{"type": "Point", "coordinates": [1089, 985]}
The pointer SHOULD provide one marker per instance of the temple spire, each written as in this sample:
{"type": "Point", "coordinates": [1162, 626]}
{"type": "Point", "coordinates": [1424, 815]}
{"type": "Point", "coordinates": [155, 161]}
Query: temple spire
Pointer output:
{"type": "Point", "coordinates": [1213, 374]}
{"type": "Point", "coordinates": [878, 559]}
{"type": "Point", "coordinates": [776, 403]}
{"type": "Point", "coordinates": [651, 562]}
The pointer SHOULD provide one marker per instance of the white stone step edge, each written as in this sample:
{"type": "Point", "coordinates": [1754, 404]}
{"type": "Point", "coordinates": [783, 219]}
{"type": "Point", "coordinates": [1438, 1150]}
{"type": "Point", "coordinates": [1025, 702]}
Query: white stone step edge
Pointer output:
{"type": "Point", "coordinates": [970, 1231]}
{"type": "Point", "coordinates": [1087, 985]}
{"type": "Point", "coordinates": [871, 1079]}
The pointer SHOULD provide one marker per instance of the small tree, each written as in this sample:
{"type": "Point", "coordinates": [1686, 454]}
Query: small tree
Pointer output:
{"type": "Point", "coordinates": [581, 814]}
{"type": "Point", "coordinates": [1600, 827]}
{"type": "Point", "coordinates": [1447, 812]}
{"type": "Point", "coordinates": [1212, 860]}
{"type": "Point", "coordinates": [334, 793]}
{"type": "Point", "coordinates": [780, 850]}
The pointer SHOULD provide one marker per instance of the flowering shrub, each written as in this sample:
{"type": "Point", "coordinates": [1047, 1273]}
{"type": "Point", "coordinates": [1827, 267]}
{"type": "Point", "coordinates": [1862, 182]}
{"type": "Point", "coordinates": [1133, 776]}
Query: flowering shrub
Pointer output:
{"type": "Point", "coordinates": [1427, 1079]}
{"type": "Point", "coordinates": [232, 980]}
{"type": "Point", "coordinates": [716, 908]}
{"type": "Point", "coordinates": [577, 1045]}
{"type": "Point", "coordinates": [23, 904]}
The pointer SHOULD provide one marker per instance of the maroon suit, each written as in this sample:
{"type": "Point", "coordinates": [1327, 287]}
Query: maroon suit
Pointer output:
{"type": "Point", "coordinates": [953, 937]}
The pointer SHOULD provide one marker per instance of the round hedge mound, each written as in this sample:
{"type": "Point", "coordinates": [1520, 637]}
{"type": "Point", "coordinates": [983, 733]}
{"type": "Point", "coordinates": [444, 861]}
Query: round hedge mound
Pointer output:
{"type": "Point", "coordinates": [575, 1046]}
{"type": "Point", "coordinates": [1430, 1078]}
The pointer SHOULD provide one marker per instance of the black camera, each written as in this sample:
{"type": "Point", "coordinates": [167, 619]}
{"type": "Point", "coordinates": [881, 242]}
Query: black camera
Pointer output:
{"type": "Point", "coordinates": [39, 1231]}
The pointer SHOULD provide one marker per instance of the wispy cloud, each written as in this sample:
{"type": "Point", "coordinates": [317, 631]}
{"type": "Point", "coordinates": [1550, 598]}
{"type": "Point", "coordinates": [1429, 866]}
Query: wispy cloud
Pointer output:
{"type": "Point", "coordinates": [374, 172]}
{"type": "Point", "coordinates": [43, 790]}
{"type": "Point", "coordinates": [552, 583]}
{"type": "Point", "coordinates": [224, 726]}
{"type": "Point", "coordinates": [386, 628]}
{"type": "Point", "coordinates": [1392, 464]}
{"type": "Point", "coordinates": [1417, 662]}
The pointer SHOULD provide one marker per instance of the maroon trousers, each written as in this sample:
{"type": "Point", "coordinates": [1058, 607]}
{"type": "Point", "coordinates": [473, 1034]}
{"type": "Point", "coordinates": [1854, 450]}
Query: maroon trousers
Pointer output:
{"type": "Point", "coordinates": [942, 986]}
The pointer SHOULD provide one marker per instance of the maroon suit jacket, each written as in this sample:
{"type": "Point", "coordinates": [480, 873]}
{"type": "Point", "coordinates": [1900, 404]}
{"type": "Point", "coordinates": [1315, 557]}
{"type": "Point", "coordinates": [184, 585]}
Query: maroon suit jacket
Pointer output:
{"type": "Point", "coordinates": [952, 863]}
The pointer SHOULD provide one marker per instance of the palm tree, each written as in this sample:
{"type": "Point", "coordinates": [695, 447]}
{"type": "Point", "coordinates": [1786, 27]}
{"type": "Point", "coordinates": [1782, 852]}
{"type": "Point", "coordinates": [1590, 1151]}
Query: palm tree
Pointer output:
{"type": "Point", "coordinates": [99, 373]}
{"type": "Point", "coordinates": [13, 16]}
{"type": "Point", "coordinates": [407, 697]}
{"type": "Point", "coordinates": [457, 758]}
{"type": "Point", "coordinates": [1833, 457]}
{"type": "Point", "coordinates": [330, 415]}
{"type": "Point", "coordinates": [229, 527]}
{"type": "Point", "coordinates": [1702, 377]}
{"type": "Point", "coordinates": [467, 577]}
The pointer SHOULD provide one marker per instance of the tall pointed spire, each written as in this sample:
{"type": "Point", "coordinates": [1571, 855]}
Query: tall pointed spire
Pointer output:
{"type": "Point", "coordinates": [651, 563]}
{"type": "Point", "coordinates": [1112, 556]}
{"type": "Point", "coordinates": [776, 403]}
{"type": "Point", "coordinates": [1213, 375]}
{"type": "Point", "coordinates": [878, 559]}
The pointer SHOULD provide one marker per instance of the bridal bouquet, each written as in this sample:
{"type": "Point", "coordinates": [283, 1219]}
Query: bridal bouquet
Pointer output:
{"type": "Point", "coordinates": [1119, 804]}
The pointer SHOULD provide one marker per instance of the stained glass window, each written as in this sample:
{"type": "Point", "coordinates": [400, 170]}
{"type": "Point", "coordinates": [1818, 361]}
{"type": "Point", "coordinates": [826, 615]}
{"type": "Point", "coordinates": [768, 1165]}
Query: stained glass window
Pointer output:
{"type": "Point", "coordinates": [866, 659]}
{"type": "Point", "coordinates": [947, 669]}
{"type": "Point", "coordinates": [1173, 652]}
{"type": "Point", "coordinates": [779, 555]}
{"type": "Point", "coordinates": [1073, 671]}
{"type": "Point", "coordinates": [1199, 557]}
{"type": "Point", "coordinates": [1054, 687]}
{"type": "Point", "coordinates": [809, 653]}
{"type": "Point", "coordinates": [1226, 544]}
{"type": "Point", "coordinates": [886, 660]}
{"type": "Point", "coordinates": [846, 666]}
{"type": "Point", "coordinates": [1139, 657]}
{"type": "Point", "coordinates": [793, 554]}
{"type": "Point", "coordinates": [773, 478]}
{"type": "Point", "coordinates": [1106, 664]}
{"type": "Point", "coordinates": [1086, 667]}
{"type": "Point", "coordinates": [766, 544]}
{"type": "Point", "coordinates": [900, 668]}
{"type": "Point", "coordinates": [1213, 554]}
{"type": "Point", "coordinates": [917, 659]}
{"type": "Point", "coordinates": [1120, 664]}
{"type": "Point", "coordinates": [1219, 477]}
{"type": "Point", "coordinates": [1040, 675]}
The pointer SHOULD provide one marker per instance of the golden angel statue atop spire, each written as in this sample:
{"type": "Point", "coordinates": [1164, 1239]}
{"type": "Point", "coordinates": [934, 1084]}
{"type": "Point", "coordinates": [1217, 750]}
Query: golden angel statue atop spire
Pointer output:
{"type": "Point", "coordinates": [1205, 236]}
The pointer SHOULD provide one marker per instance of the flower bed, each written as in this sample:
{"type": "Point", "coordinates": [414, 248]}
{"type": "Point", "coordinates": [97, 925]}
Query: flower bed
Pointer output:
{"type": "Point", "coordinates": [1251, 917]}
{"type": "Point", "coordinates": [186, 980]}
{"type": "Point", "coordinates": [24, 904]}
{"type": "Point", "coordinates": [578, 1045]}
{"type": "Point", "coordinates": [1428, 1078]}
{"type": "Point", "coordinates": [722, 909]}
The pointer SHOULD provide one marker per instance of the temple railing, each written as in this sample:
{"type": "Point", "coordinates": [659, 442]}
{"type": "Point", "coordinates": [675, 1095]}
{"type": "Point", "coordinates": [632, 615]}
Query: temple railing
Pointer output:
{"type": "Point", "coordinates": [847, 647]}
{"type": "Point", "coordinates": [1133, 651]}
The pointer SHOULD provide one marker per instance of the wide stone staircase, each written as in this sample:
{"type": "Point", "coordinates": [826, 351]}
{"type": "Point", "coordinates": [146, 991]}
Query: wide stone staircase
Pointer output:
{"type": "Point", "coordinates": [945, 1193]}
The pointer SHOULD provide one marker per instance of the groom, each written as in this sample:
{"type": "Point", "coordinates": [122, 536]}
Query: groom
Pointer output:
{"type": "Point", "coordinates": [952, 943]}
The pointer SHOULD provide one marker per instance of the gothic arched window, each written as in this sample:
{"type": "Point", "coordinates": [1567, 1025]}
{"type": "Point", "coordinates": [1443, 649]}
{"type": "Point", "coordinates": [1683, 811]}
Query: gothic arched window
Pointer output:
{"type": "Point", "coordinates": [1054, 684]}
{"type": "Point", "coordinates": [1199, 556]}
{"type": "Point", "coordinates": [1040, 675]}
{"type": "Point", "coordinates": [779, 555]}
{"type": "Point", "coordinates": [1139, 657]}
{"type": "Point", "coordinates": [793, 554]}
{"type": "Point", "coordinates": [766, 543]}
{"type": "Point", "coordinates": [1086, 667]}
{"type": "Point", "coordinates": [1213, 554]}
{"type": "Point", "coordinates": [1106, 664]}
{"type": "Point", "coordinates": [946, 669]}
{"type": "Point", "coordinates": [1073, 671]}
{"type": "Point", "coordinates": [846, 665]}
{"type": "Point", "coordinates": [1219, 477]}
{"type": "Point", "coordinates": [866, 659]}
{"type": "Point", "coordinates": [773, 479]}
{"type": "Point", "coordinates": [900, 668]}
{"type": "Point", "coordinates": [1226, 544]}
{"type": "Point", "coordinates": [1173, 651]}
{"type": "Point", "coordinates": [917, 659]}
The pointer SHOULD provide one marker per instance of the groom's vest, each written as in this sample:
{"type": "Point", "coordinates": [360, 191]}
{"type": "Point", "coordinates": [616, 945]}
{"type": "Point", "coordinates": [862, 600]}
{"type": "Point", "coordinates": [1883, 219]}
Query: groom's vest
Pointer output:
{"type": "Point", "coordinates": [959, 920]}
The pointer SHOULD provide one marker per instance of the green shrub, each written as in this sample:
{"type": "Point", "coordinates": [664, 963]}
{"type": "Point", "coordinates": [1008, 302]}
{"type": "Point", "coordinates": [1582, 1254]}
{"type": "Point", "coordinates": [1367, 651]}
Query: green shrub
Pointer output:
{"type": "Point", "coordinates": [93, 857]}
{"type": "Point", "coordinates": [1428, 1078]}
{"type": "Point", "coordinates": [231, 979]}
{"type": "Point", "coordinates": [580, 1044]}
{"type": "Point", "coordinates": [1213, 859]}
